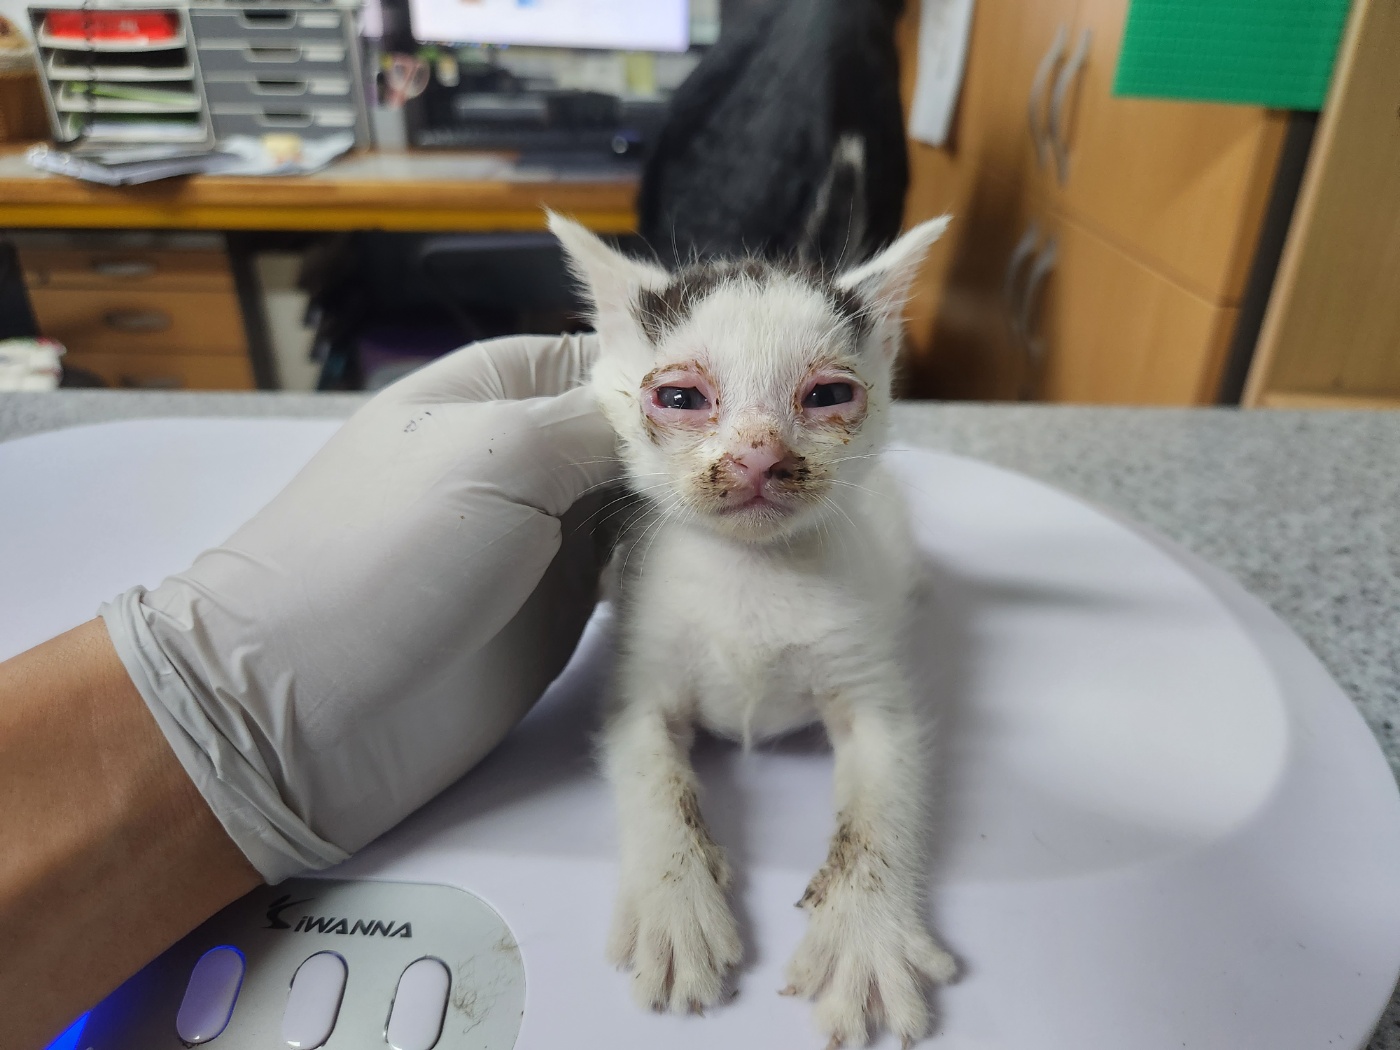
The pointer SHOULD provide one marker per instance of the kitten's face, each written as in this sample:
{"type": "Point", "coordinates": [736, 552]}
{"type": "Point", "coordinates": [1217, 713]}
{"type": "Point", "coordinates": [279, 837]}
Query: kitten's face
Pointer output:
{"type": "Point", "coordinates": [751, 401]}
{"type": "Point", "coordinates": [744, 394]}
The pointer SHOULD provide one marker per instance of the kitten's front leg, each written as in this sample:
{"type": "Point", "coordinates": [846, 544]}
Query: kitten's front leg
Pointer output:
{"type": "Point", "coordinates": [867, 951]}
{"type": "Point", "coordinates": [672, 926]}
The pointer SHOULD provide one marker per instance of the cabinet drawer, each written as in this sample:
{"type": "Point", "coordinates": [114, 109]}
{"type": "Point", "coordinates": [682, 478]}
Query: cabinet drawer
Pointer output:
{"type": "Point", "coordinates": [267, 25]}
{"type": "Point", "coordinates": [81, 268]}
{"type": "Point", "coordinates": [1184, 184]}
{"type": "Point", "coordinates": [1014, 51]}
{"type": "Point", "coordinates": [1116, 331]}
{"type": "Point", "coordinates": [271, 89]}
{"type": "Point", "coordinates": [269, 117]}
{"type": "Point", "coordinates": [289, 57]}
{"type": "Point", "coordinates": [140, 322]}
{"type": "Point", "coordinates": [166, 371]}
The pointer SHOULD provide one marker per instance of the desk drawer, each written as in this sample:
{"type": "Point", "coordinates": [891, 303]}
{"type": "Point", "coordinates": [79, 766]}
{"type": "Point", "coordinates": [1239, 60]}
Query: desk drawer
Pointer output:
{"type": "Point", "coordinates": [267, 25]}
{"type": "Point", "coordinates": [276, 90]}
{"type": "Point", "coordinates": [272, 117]}
{"type": "Point", "coordinates": [82, 268]}
{"type": "Point", "coordinates": [166, 371]}
{"type": "Point", "coordinates": [286, 57]}
{"type": "Point", "coordinates": [140, 322]}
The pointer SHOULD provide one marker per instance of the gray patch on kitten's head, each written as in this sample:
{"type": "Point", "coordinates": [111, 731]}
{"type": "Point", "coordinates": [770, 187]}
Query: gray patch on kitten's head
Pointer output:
{"type": "Point", "coordinates": [663, 309]}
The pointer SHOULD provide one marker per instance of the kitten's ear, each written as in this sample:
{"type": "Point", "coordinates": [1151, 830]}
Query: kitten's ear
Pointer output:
{"type": "Point", "coordinates": [883, 282]}
{"type": "Point", "coordinates": [611, 279]}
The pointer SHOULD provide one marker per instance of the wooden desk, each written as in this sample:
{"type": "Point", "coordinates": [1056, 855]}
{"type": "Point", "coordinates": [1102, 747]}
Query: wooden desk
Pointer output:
{"type": "Point", "coordinates": [427, 192]}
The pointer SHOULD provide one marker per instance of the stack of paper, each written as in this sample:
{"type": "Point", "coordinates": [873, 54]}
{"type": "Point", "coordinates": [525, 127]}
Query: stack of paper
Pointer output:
{"type": "Point", "coordinates": [130, 165]}
{"type": "Point", "coordinates": [237, 155]}
{"type": "Point", "coordinates": [103, 97]}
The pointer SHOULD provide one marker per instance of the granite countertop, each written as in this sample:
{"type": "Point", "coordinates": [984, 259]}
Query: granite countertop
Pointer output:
{"type": "Point", "coordinates": [1303, 508]}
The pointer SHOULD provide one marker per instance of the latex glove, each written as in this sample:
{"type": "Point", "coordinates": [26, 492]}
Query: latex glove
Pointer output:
{"type": "Point", "coordinates": [381, 624]}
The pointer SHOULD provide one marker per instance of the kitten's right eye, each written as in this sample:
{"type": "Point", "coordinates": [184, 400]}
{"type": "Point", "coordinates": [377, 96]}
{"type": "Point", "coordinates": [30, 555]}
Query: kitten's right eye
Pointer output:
{"type": "Point", "coordinates": [683, 398]}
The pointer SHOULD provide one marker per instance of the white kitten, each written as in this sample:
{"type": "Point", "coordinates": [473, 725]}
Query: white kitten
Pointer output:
{"type": "Point", "coordinates": [768, 590]}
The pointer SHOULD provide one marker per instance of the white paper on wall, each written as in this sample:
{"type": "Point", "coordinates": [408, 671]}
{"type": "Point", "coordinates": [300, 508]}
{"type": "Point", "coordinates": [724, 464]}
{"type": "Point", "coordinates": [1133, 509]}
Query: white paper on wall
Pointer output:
{"type": "Point", "coordinates": [944, 26]}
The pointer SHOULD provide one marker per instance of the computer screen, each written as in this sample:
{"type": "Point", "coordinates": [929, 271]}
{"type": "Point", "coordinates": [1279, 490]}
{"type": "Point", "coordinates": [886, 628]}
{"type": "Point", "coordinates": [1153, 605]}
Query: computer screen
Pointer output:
{"type": "Point", "coordinates": [624, 25]}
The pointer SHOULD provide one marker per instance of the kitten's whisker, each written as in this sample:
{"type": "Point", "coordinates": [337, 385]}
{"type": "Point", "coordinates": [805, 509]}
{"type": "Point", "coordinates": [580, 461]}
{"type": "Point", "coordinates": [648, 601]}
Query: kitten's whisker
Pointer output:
{"type": "Point", "coordinates": [842, 511]}
{"type": "Point", "coordinates": [660, 518]}
{"type": "Point", "coordinates": [628, 495]}
{"type": "Point", "coordinates": [665, 514]}
{"type": "Point", "coordinates": [888, 496]}
{"type": "Point", "coordinates": [852, 459]}
{"type": "Point", "coordinates": [625, 498]}
{"type": "Point", "coordinates": [826, 529]}
{"type": "Point", "coordinates": [622, 530]}
{"type": "Point", "coordinates": [875, 455]}
{"type": "Point", "coordinates": [605, 484]}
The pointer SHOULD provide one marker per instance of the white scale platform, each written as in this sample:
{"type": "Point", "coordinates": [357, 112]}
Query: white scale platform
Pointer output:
{"type": "Point", "coordinates": [1162, 823]}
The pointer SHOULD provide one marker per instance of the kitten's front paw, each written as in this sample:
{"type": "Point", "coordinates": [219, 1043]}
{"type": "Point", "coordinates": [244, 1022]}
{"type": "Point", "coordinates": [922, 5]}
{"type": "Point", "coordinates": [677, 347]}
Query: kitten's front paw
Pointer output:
{"type": "Point", "coordinates": [865, 960]}
{"type": "Point", "coordinates": [679, 938]}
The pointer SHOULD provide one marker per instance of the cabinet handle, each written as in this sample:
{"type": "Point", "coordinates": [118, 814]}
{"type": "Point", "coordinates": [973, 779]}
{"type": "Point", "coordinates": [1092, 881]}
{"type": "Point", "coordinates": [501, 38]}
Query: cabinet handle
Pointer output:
{"type": "Point", "coordinates": [1057, 104]}
{"type": "Point", "coordinates": [267, 19]}
{"type": "Point", "coordinates": [137, 320]}
{"type": "Point", "coordinates": [151, 382]}
{"type": "Point", "coordinates": [1024, 249]}
{"type": "Point", "coordinates": [126, 269]}
{"type": "Point", "coordinates": [1042, 77]}
{"type": "Point", "coordinates": [1043, 267]}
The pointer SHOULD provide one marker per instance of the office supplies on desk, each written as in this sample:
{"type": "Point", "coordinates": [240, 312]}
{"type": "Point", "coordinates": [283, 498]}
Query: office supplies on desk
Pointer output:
{"type": "Point", "coordinates": [115, 167]}
{"type": "Point", "coordinates": [294, 67]}
{"type": "Point", "coordinates": [30, 364]}
{"type": "Point", "coordinates": [117, 74]}
{"type": "Point", "coordinates": [236, 155]}
{"type": "Point", "coordinates": [405, 77]}
{"type": "Point", "coordinates": [113, 30]}
{"type": "Point", "coordinates": [121, 73]}
{"type": "Point", "coordinates": [104, 97]}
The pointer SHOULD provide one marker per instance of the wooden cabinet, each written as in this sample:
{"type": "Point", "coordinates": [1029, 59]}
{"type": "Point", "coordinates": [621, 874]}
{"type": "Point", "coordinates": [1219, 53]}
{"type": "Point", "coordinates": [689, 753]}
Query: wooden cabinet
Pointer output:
{"type": "Point", "coordinates": [120, 320]}
{"type": "Point", "coordinates": [140, 310]}
{"type": "Point", "coordinates": [1100, 245]}
{"type": "Point", "coordinates": [1331, 337]}
{"type": "Point", "coordinates": [166, 371]}
{"type": "Point", "coordinates": [1137, 336]}
{"type": "Point", "coordinates": [1019, 46]}
{"type": "Point", "coordinates": [1183, 184]}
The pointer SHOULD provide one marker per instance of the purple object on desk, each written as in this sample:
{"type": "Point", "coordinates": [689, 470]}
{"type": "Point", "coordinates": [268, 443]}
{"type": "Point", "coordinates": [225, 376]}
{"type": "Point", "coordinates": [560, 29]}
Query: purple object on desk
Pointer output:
{"type": "Point", "coordinates": [392, 350]}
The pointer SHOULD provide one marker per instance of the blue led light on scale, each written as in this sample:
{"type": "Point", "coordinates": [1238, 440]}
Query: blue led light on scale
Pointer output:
{"type": "Point", "coordinates": [69, 1039]}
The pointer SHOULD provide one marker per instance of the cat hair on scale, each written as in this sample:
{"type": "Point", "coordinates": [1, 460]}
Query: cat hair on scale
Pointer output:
{"type": "Point", "coordinates": [764, 586]}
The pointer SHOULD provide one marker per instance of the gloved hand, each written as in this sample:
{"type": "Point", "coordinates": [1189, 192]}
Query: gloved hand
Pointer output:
{"type": "Point", "coordinates": [381, 624]}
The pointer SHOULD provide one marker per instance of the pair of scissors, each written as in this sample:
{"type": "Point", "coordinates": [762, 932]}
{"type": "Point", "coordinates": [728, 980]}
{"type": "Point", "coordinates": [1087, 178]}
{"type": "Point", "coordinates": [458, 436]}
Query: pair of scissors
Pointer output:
{"type": "Point", "coordinates": [405, 77]}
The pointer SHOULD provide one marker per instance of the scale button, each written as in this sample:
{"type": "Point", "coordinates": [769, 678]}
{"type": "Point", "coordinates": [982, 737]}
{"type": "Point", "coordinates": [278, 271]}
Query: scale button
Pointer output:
{"type": "Point", "coordinates": [314, 1001]}
{"type": "Point", "coordinates": [210, 995]}
{"type": "Point", "coordinates": [420, 1002]}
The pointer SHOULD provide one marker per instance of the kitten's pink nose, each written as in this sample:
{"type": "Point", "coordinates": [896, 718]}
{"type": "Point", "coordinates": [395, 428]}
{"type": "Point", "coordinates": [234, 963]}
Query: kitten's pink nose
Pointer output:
{"type": "Point", "coordinates": [758, 465]}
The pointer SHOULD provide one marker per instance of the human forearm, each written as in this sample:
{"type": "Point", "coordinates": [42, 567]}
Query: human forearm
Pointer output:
{"type": "Point", "coordinates": [109, 853]}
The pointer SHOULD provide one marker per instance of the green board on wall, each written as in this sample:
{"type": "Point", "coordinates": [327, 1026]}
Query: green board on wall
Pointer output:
{"type": "Point", "coordinates": [1276, 53]}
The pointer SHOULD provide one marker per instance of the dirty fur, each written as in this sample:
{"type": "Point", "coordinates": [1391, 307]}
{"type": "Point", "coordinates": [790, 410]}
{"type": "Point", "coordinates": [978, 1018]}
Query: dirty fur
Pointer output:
{"type": "Point", "coordinates": [762, 586]}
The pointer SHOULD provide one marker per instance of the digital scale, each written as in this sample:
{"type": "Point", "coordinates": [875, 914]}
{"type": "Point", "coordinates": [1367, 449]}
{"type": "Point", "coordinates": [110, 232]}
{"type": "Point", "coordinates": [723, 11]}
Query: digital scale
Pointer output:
{"type": "Point", "coordinates": [1160, 822]}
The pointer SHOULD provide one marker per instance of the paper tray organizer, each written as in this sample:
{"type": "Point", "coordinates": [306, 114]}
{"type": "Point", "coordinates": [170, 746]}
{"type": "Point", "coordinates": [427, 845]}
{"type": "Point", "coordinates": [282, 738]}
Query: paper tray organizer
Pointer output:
{"type": "Point", "coordinates": [120, 73]}
{"type": "Point", "coordinates": [115, 75]}
{"type": "Point", "coordinates": [293, 68]}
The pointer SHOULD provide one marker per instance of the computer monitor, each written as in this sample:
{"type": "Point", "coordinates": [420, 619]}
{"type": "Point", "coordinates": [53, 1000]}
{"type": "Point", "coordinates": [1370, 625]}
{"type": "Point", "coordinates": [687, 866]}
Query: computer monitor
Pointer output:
{"type": "Point", "coordinates": [622, 25]}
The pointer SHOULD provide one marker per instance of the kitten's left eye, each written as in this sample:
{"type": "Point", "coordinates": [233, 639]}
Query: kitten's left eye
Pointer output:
{"type": "Point", "coordinates": [824, 395]}
{"type": "Point", "coordinates": [684, 398]}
